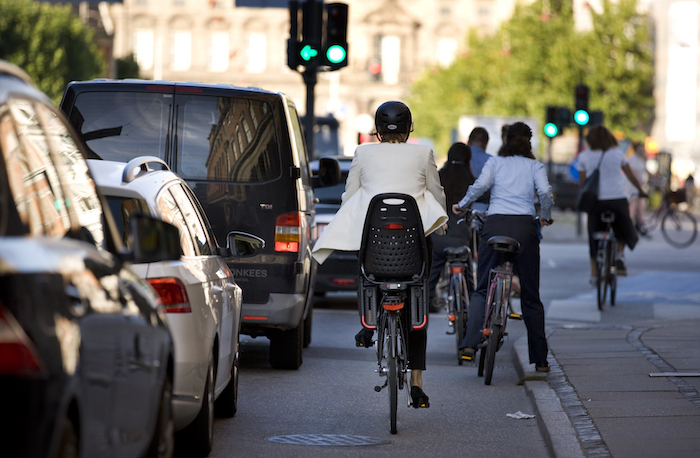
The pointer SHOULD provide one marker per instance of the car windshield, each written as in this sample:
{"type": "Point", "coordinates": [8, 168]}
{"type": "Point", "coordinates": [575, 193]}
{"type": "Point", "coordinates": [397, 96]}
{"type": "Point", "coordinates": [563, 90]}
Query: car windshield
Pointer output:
{"type": "Point", "coordinates": [118, 126]}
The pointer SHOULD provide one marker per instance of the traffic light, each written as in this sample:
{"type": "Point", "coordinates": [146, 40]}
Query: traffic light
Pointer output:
{"type": "Point", "coordinates": [551, 126]}
{"type": "Point", "coordinates": [293, 58]}
{"type": "Point", "coordinates": [309, 48]}
{"type": "Point", "coordinates": [335, 43]}
{"type": "Point", "coordinates": [581, 115]}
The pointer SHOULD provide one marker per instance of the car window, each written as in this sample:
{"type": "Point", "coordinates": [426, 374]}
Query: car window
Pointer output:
{"type": "Point", "coordinates": [123, 208]}
{"type": "Point", "coordinates": [32, 177]}
{"type": "Point", "coordinates": [193, 219]}
{"type": "Point", "coordinates": [170, 213]}
{"type": "Point", "coordinates": [119, 126]}
{"type": "Point", "coordinates": [75, 176]}
{"type": "Point", "coordinates": [226, 139]}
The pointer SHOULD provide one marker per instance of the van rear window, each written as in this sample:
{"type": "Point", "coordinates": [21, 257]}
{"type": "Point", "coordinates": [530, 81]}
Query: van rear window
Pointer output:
{"type": "Point", "coordinates": [119, 126]}
{"type": "Point", "coordinates": [226, 139]}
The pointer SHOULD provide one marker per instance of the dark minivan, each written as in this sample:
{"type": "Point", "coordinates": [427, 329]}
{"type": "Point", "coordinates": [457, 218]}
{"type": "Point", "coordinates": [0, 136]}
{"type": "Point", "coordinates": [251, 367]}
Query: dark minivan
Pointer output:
{"type": "Point", "coordinates": [243, 153]}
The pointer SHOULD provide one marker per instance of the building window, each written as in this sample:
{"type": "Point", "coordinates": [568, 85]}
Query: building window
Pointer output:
{"type": "Point", "coordinates": [218, 52]}
{"type": "Point", "coordinates": [143, 48]}
{"type": "Point", "coordinates": [180, 50]}
{"type": "Point", "coordinates": [255, 62]}
{"type": "Point", "coordinates": [390, 57]}
{"type": "Point", "coordinates": [447, 49]}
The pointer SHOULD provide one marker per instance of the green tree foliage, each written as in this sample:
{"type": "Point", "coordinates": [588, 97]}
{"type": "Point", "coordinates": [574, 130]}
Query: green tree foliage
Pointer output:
{"type": "Point", "coordinates": [536, 59]}
{"type": "Point", "coordinates": [50, 43]}
{"type": "Point", "coordinates": [127, 67]}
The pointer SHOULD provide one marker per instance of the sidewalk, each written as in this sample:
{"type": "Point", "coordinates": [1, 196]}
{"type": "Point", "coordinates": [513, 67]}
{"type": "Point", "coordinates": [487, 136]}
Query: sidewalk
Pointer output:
{"type": "Point", "coordinates": [624, 383]}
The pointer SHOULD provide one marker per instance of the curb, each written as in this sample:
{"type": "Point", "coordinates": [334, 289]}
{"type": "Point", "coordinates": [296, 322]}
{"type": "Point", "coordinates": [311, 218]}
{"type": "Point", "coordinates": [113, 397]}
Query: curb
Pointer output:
{"type": "Point", "coordinates": [554, 423]}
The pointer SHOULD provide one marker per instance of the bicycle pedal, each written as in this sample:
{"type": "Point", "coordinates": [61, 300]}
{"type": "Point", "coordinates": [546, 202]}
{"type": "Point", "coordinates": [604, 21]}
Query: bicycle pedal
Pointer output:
{"type": "Point", "coordinates": [515, 316]}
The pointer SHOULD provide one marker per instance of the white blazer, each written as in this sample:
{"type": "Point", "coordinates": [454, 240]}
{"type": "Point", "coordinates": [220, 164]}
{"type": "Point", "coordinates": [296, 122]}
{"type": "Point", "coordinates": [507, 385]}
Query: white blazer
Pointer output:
{"type": "Point", "coordinates": [379, 168]}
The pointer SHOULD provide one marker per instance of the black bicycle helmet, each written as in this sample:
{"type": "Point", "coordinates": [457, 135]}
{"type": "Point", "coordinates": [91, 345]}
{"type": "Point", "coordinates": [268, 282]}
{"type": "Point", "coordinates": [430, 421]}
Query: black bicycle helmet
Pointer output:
{"type": "Point", "coordinates": [393, 117]}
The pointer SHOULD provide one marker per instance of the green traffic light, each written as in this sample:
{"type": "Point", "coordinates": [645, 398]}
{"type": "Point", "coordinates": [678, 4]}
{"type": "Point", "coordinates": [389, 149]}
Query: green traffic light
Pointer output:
{"type": "Point", "coordinates": [581, 117]}
{"type": "Point", "coordinates": [551, 130]}
{"type": "Point", "coordinates": [336, 54]}
{"type": "Point", "coordinates": [307, 53]}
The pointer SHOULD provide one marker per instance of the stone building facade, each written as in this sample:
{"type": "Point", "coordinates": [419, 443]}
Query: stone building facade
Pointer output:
{"type": "Point", "coordinates": [216, 41]}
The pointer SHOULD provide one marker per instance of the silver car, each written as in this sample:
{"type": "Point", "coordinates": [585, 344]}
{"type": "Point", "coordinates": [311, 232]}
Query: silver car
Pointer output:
{"type": "Point", "coordinates": [201, 298]}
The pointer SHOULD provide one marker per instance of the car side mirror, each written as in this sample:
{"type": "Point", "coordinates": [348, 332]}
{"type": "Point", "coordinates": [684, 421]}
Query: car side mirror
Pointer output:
{"type": "Point", "coordinates": [153, 240]}
{"type": "Point", "coordinates": [328, 173]}
{"type": "Point", "coordinates": [243, 245]}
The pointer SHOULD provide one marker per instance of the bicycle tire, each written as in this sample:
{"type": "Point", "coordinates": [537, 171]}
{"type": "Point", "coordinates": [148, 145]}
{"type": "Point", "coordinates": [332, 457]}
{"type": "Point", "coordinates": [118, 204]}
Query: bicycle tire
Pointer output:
{"type": "Point", "coordinates": [612, 274]}
{"type": "Point", "coordinates": [600, 276]}
{"type": "Point", "coordinates": [459, 310]}
{"type": "Point", "coordinates": [674, 226]}
{"type": "Point", "coordinates": [482, 361]}
{"type": "Point", "coordinates": [494, 333]}
{"type": "Point", "coordinates": [393, 357]}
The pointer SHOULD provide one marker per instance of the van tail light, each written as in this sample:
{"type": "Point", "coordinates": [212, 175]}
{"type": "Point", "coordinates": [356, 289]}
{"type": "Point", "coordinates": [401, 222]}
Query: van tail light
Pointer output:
{"type": "Point", "coordinates": [172, 293]}
{"type": "Point", "coordinates": [288, 232]}
{"type": "Point", "coordinates": [18, 356]}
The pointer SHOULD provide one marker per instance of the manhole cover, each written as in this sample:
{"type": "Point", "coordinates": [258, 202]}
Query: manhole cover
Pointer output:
{"type": "Point", "coordinates": [334, 440]}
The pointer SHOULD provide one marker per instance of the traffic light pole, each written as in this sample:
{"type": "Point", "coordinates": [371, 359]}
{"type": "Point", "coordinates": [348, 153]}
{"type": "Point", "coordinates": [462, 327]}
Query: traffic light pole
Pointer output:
{"type": "Point", "coordinates": [310, 78]}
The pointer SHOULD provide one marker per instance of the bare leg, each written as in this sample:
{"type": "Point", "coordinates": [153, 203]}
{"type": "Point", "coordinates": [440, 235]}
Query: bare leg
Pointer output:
{"type": "Point", "coordinates": [417, 378]}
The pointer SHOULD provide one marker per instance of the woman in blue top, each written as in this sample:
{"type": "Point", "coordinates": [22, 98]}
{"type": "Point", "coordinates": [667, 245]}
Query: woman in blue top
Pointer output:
{"type": "Point", "coordinates": [514, 178]}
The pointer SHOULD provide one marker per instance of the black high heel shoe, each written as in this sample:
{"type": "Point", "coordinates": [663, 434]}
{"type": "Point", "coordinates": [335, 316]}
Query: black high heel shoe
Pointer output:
{"type": "Point", "coordinates": [419, 398]}
{"type": "Point", "coordinates": [364, 338]}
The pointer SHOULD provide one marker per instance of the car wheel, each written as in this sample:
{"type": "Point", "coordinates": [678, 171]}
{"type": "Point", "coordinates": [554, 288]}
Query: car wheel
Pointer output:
{"type": "Point", "coordinates": [226, 403]}
{"type": "Point", "coordinates": [198, 437]}
{"type": "Point", "coordinates": [286, 347]}
{"type": "Point", "coordinates": [68, 446]}
{"type": "Point", "coordinates": [163, 442]}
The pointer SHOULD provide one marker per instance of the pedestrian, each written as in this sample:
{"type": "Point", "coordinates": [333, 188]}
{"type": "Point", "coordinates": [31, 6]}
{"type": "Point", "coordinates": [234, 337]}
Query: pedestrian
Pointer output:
{"type": "Point", "coordinates": [605, 154]}
{"type": "Point", "coordinates": [478, 141]}
{"type": "Point", "coordinates": [455, 176]}
{"type": "Point", "coordinates": [690, 191]}
{"type": "Point", "coordinates": [389, 166]}
{"type": "Point", "coordinates": [513, 177]}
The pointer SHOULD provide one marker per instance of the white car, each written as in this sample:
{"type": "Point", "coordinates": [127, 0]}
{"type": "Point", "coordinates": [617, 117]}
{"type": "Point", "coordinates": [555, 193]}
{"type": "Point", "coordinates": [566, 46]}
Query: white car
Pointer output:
{"type": "Point", "coordinates": [200, 296]}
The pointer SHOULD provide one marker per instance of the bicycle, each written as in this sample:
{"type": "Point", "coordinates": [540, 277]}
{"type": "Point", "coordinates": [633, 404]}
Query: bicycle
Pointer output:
{"type": "Point", "coordinates": [497, 302]}
{"type": "Point", "coordinates": [476, 222]}
{"type": "Point", "coordinates": [606, 271]}
{"type": "Point", "coordinates": [678, 227]}
{"type": "Point", "coordinates": [393, 291]}
{"type": "Point", "coordinates": [457, 303]}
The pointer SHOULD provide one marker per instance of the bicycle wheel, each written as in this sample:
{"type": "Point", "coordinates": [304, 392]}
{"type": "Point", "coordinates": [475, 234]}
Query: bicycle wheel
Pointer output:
{"type": "Point", "coordinates": [612, 273]}
{"type": "Point", "coordinates": [393, 360]}
{"type": "Point", "coordinates": [679, 228]}
{"type": "Point", "coordinates": [600, 274]}
{"type": "Point", "coordinates": [459, 309]}
{"type": "Point", "coordinates": [482, 361]}
{"type": "Point", "coordinates": [494, 333]}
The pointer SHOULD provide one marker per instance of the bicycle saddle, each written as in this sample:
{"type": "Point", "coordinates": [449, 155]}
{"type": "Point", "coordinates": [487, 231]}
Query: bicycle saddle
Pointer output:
{"type": "Point", "coordinates": [505, 244]}
{"type": "Point", "coordinates": [456, 251]}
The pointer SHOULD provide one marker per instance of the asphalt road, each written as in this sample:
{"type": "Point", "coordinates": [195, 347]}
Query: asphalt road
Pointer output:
{"type": "Point", "coordinates": [331, 400]}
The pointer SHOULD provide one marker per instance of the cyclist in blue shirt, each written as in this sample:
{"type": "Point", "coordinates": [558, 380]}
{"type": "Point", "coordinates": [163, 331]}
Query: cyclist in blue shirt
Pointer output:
{"type": "Point", "coordinates": [514, 177]}
{"type": "Point", "coordinates": [478, 140]}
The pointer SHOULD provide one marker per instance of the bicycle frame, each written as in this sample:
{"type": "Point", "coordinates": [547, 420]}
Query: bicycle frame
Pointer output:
{"type": "Point", "coordinates": [504, 275]}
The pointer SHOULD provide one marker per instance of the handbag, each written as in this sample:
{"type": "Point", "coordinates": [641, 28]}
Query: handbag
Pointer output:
{"type": "Point", "coordinates": [588, 197]}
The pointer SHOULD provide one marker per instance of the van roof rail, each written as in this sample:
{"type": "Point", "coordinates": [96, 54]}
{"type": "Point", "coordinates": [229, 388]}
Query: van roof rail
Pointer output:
{"type": "Point", "coordinates": [141, 164]}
